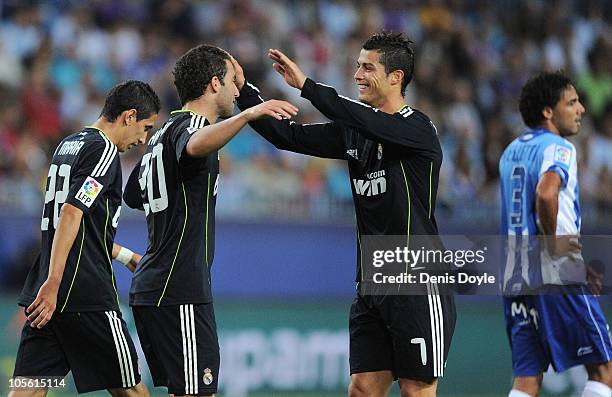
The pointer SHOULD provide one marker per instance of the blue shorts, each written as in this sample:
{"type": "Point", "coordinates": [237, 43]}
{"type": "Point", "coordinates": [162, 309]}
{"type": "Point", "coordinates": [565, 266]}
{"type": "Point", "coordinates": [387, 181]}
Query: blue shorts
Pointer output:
{"type": "Point", "coordinates": [562, 330]}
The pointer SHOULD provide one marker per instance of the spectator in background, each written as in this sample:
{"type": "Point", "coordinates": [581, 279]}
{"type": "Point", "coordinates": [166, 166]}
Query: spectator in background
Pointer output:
{"type": "Point", "coordinates": [473, 59]}
{"type": "Point", "coordinates": [596, 82]}
{"type": "Point", "coordinates": [599, 162]}
{"type": "Point", "coordinates": [40, 103]}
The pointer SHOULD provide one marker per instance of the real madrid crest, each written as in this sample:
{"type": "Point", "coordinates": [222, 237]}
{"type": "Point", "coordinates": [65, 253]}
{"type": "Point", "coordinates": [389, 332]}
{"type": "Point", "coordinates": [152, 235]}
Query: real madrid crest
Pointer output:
{"type": "Point", "coordinates": [380, 151]}
{"type": "Point", "coordinates": [207, 377]}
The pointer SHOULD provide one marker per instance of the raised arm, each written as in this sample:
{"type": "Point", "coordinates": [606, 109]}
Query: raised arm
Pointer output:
{"type": "Point", "coordinates": [213, 137]}
{"type": "Point", "coordinates": [320, 140]}
{"type": "Point", "coordinates": [410, 129]}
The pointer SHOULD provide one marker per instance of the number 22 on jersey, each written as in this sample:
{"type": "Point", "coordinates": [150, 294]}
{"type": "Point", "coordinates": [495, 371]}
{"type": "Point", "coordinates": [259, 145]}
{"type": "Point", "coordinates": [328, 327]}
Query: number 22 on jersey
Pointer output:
{"type": "Point", "coordinates": [55, 195]}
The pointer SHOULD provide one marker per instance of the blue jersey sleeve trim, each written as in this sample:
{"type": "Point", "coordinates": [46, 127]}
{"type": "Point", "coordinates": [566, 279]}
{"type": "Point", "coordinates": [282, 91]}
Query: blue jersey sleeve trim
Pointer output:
{"type": "Point", "coordinates": [562, 172]}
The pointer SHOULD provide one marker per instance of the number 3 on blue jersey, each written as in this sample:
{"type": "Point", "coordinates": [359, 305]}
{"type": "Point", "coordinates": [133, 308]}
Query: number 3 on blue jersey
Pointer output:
{"type": "Point", "coordinates": [518, 189]}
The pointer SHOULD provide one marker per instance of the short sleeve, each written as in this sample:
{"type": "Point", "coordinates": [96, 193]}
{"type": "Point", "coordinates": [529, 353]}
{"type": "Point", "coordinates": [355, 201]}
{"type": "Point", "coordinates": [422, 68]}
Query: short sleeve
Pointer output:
{"type": "Point", "coordinates": [184, 133]}
{"type": "Point", "coordinates": [92, 174]}
{"type": "Point", "coordinates": [558, 158]}
{"type": "Point", "coordinates": [181, 142]}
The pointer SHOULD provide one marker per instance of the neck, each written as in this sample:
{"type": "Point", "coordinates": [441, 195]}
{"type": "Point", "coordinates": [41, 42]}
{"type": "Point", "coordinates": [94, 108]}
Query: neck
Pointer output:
{"type": "Point", "coordinates": [392, 104]}
{"type": "Point", "coordinates": [550, 127]}
{"type": "Point", "coordinates": [203, 106]}
{"type": "Point", "coordinates": [109, 129]}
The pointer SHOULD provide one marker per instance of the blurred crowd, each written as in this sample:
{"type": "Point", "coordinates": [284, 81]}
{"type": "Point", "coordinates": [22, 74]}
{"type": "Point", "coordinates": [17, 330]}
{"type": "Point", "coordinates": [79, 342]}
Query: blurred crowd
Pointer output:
{"type": "Point", "coordinates": [59, 58]}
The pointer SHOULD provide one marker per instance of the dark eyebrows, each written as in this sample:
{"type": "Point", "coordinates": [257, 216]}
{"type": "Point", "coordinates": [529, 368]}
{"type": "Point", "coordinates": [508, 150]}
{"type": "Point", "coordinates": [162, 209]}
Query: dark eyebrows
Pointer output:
{"type": "Point", "coordinates": [365, 64]}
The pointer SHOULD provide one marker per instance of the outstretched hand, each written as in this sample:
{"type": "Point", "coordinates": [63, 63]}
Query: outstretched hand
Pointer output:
{"type": "Point", "coordinates": [290, 71]}
{"type": "Point", "coordinates": [275, 108]}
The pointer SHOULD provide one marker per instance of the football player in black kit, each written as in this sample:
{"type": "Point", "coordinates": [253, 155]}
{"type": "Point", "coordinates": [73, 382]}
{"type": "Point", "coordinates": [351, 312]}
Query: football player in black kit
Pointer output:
{"type": "Point", "coordinates": [74, 323]}
{"type": "Point", "coordinates": [394, 159]}
{"type": "Point", "coordinates": [176, 185]}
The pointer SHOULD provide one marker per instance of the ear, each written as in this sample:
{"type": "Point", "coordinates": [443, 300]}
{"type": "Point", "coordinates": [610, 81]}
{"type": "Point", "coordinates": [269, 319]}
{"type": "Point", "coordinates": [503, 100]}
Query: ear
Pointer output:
{"type": "Point", "coordinates": [396, 77]}
{"type": "Point", "coordinates": [215, 84]}
{"type": "Point", "coordinates": [129, 116]}
{"type": "Point", "coordinates": [547, 112]}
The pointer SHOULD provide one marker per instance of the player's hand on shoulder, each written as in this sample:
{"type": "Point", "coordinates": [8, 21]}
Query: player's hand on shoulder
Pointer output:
{"type": "Point", "coordinates": [274, 108]}
{"type": "Point", "coordinates": [240, 79]}
{"type": "Point", "coordinates": [290, 71]}
{"type": "Point", "coordinates": [41, 310]}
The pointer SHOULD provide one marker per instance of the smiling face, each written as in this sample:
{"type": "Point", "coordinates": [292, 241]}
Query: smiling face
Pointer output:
{"type": "Point", "coordinates": [567, 113]}
{"type": "Point", "coordinates": [375, 85]}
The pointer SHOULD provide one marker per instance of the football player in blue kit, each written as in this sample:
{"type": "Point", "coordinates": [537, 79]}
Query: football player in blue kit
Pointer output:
{"type": "Point", "coordinates": [551, 315]}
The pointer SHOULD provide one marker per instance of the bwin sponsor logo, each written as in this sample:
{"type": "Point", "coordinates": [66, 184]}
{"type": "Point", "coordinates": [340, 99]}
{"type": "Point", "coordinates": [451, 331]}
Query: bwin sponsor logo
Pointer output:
{"type": "Point", "coordinates": [370, 188]}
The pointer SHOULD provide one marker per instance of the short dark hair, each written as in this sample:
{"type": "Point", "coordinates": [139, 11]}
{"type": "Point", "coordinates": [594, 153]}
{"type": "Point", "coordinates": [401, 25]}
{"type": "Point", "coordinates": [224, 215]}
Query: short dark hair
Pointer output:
{"type": "Point", "coordinates": [541, 91]}
{"type": "Point", "coordinates": [396, 53]}
{"type": "Point", "coordinates": [195, 69]}
{"type": "Point", "coordinates": [131, 94]}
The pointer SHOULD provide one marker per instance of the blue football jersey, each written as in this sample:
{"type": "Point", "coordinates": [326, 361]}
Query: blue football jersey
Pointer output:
{"type": "Point", "coordinates": [528, 265]}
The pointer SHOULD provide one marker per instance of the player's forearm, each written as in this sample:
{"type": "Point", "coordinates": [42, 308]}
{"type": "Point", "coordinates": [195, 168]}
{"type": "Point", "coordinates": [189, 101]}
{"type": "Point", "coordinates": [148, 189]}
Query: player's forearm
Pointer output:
{"type": "Point", "coordinates": [336, 108]}
{"type": "Point", "coordinates": [547, 202]}
{"type": "Point", "coordinates": [278, 133]}
{"type": "Point", "coordinates": [63, 240]}
{"type": "Point", "coordinates": [547, 206]}
{"type": "Point", "coordinates": [127, 257]}
{"type": "Point", "coordinates": [249, 97]}
{"type": "Point", "coordinates": [213, 137]}
{"type": "Point", "coordinates": [321, 140]}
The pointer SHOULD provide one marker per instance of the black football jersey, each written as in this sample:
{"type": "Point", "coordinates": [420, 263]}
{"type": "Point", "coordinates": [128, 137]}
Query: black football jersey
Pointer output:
{"type": "Point", "coordinates": [85, 172]}
{"type": "Point", "coordinates": [393, 159]}
{"type": "Point", "coordinates": [178, 195]}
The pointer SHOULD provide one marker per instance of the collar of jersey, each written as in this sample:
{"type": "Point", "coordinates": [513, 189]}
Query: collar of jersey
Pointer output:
{"type": "Point", "coordinates": [182, 111]}
{"type": "Point", "coordinates": [97, 129]}
{"type": "Point", "coordinates": [540, 130]}
{"type": "Point", "coordinates": [402, 108]}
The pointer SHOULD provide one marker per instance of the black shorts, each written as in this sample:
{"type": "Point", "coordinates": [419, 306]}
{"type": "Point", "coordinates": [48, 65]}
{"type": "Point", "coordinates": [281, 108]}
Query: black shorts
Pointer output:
{"type": "Point", "coordinates": [181, 347]}
{"type": "Point", "coordinates": [409, 335]}
{"type": "Point", "coordinates": [95, 346]}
